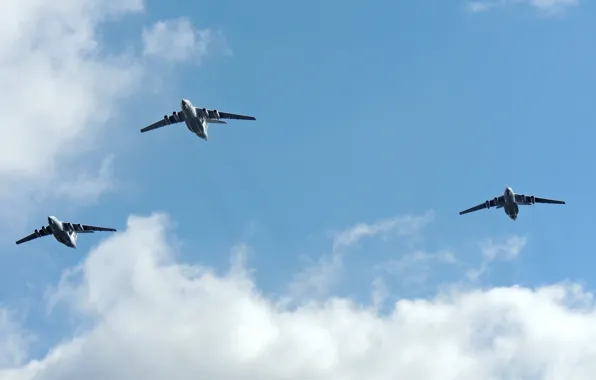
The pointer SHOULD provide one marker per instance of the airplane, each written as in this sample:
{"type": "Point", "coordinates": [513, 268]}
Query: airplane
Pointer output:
{"type": "Point", "coordinates": [510, 201]}
{"type": "Point", "coordinates": [64, 232]}
{"type": "Point", "coordinates": [196, 119]}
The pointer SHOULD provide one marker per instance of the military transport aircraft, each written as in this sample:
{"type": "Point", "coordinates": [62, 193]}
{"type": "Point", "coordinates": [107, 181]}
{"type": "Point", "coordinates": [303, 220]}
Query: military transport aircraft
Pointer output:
{"type": "Point", "coordinates": [509, 201]}
{"type": "Point", "coordinates": [64, 232]}
{"type": "Point", "coordinates": [196, 119]}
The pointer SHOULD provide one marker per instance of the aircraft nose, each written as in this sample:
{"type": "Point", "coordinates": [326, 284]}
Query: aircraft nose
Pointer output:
{"type": "Point", "coordinates": [49, 220]}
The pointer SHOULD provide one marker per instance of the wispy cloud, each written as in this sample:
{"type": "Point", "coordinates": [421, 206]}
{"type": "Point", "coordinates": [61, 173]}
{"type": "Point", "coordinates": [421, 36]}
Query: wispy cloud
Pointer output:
{"type": "Point", "coordinates": [379, 292]}
{"type": "Point", "coordinates": [317, 278]}
{"type": "Point", "coordinates": [546, 6]}
{"type": "Point", "coordinates": [177, 40]}
{"type": "Point", "coordinates": [14, 341]}
{"type": "Point", "coordinates": [87, 187]}
{"type": "Point", "coordinates": [397, 226]}
{"type": "Point", "coordinates": [491, 251]}
{"type": "Point", "coordinates": [416, 267]}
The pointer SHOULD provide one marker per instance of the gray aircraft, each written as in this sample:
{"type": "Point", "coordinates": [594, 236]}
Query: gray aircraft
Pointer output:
{"type": "Point", "coordinates": [510, 201]}
{"type": "Point", "coordinates": [197, 119]}
{"type": "Point", "coordinates": [64, 232]}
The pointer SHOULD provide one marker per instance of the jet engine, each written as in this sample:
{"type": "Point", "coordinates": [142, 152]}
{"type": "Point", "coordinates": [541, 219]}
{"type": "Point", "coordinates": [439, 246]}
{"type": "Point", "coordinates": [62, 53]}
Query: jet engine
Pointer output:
{"type": "Point", "coordinates": [215, 114]}
{"type": "Point", "coordinates": [487, 204]}
{"type": "Point", "coordinates": [68, 226]}
{"type": "Point", "coordinates": [532, 199]}
{"type": "Point", "coordinates": [496, 201]}
{"type": "Point", "coordinates": [166, 120]}
{"type": "Point", "coordinates": [78, 227]}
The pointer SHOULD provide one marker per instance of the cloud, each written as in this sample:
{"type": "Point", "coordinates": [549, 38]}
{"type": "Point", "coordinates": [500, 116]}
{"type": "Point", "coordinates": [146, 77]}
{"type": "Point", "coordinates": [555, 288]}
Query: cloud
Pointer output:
{"type": "Point", "coordinates": [14, 341]}
{"type": "Point", "coordinates": [317, 279]}
{"type": "Point", "coordinates": [547, 6]}
{"type": "Point", "coordinates": [88, 187]}
{"type": "Point", "coordinates": [61, 85]}
{"type": "Point", "coordinates": [416, 267]}
{"type": "Point", "coordinates": [400, 226]}
{"type": "Point", "coordinates": [491, 251]}
{"type": "Point", "coordinates": [379, 292]}
{"type": "Point", "coordinates": [153, 318]}
{"type": "Point", "coordinates": [177, 40]}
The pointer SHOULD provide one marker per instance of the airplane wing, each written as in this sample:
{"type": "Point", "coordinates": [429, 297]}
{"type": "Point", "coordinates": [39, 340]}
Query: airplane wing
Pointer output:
{"type": "Point", "coordinates": [495, 202]}
{"type": "Point", "coordinates": [44, 231]}
{"type": "Point", "coordinates": [530, 200]}
{"type": "Point", "coordinates": [175, 117]}
{"type": "Point", "coordinates": [214, 114]}
{"type": "Point", "coordinates": [84, 228]}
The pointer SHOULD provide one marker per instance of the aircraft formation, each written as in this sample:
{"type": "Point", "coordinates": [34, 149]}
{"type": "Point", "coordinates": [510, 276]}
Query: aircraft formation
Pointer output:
{"type": "Point", "coordinates": [197, 121]}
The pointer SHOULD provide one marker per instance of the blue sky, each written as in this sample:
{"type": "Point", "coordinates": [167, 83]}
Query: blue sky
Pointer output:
{"type": "Point", "coordinates": [364, 113]}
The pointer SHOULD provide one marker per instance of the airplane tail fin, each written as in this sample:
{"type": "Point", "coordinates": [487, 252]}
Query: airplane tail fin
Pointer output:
{"type": "Point", "coordinates": [216, 121]}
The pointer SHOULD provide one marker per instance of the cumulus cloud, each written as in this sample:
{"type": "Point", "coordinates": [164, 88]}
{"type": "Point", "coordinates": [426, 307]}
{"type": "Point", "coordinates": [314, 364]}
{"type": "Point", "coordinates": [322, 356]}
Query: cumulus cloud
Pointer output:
{"type": "Point", "coordinates": [177, 40]}
{"type": "Point", "coordinates": [60, 86]}
{"type": "Point", "coordinates": [317, 279]}
{"type": "Point", "coordinates": [153, 318]}
{"type": "Point", "coordinates": [546, 6]}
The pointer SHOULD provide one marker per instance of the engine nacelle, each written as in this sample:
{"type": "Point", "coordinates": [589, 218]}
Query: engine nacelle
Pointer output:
{"type": "Point", "coordinates": [215, 114]}
{"type": "Point", "coordinates": [173, 119]}
{"type": "Point", "coordinates": [68, 226]}
{"type": "Point", "coordinates": [532, 199]}
{"type": "Point", "coordinates": [496, 201]}
{"type": "Point", "coordinates": [37, 233]}
{"type": "Point", "coordinates": [166, 119]}
{"type": "Point", "coordinates": [78, 227]}
{"type": "Point", "coordinates": [487, 204]}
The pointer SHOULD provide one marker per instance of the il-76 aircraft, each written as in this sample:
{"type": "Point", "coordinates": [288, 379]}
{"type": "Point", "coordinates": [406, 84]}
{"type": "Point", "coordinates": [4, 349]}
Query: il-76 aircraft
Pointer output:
{"type": "Point", "coordinates": [64, 232]}
{"type": "Point", "coordinates": [197, 119]}
{"type": "Point", "coordinates": [510, 201]}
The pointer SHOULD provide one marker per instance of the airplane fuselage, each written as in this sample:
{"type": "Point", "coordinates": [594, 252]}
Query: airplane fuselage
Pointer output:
{"type": "Point", "coordinates": [68, 238]}
{"type": "Point", "coordinates": [196, 122]}
{"type": "Point", "coordinates": [511, 207]}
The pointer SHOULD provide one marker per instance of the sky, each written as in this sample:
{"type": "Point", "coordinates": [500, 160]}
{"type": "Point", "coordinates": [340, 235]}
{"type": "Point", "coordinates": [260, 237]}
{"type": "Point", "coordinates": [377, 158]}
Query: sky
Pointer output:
{"type": "Point", "coordinates": [321, 241]}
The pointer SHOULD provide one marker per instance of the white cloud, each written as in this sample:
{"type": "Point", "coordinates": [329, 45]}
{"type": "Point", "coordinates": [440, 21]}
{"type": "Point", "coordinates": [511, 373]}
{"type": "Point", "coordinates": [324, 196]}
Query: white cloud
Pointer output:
{"type": "Point", "coordinates": [88, 187]}
{"type": "Point", "coordinates": [60, 86]}
{"type": "Point", "coordinates": [379, 292]}
{"type": "Point", "coordinates": [399, 226]}
{"type": "Point", "coordinates": [491, 251]}
{"type": "Point", "coordinates": [317, 279]}
{"type": "Point", "coordinates": [13, 341]}
{"type": "Point", "coordinates": [177, 40]}
{"type": "Point", "coordinates": [546, 6]}
{"type": "Point", "coordinates": [154, 319]}
{"type": "Point", "coordinates": [416, 267]}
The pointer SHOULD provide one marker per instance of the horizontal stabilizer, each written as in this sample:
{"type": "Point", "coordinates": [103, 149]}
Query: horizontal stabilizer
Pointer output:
{"type": "Point", "coordinates": [216, 121]}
